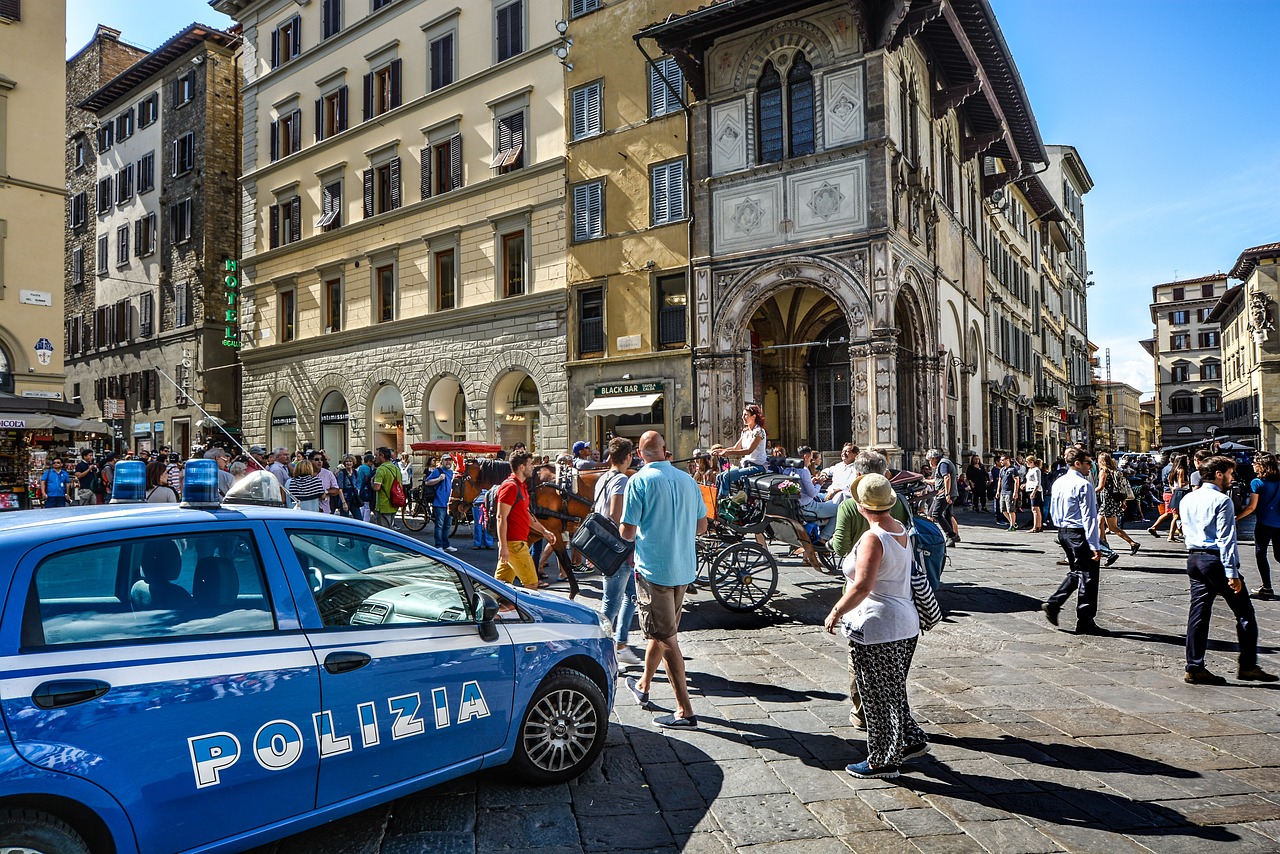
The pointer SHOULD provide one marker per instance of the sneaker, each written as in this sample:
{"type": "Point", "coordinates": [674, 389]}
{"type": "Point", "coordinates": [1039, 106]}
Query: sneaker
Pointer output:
{"type": "Point", "coordinates": [915, 751]}
{"type": "Point", "coordinates": [450, 549]}
{"type": "Point", "coordinates": [1200, 676]}
{"type": "Point", "coordinates": [627, 655]}
{"type": "Point", "coordinates": [1133, 549]}
{"type": "Point", "coordinates": [1255, 674]}
{"type": "Point", "coordinates": [1111, 558]}
{"type": "Point", "coordinates": [863, 770]}
{"type": "Point", "coordinates": [1050, 613]}
{"type": "Point", "coordinates": [952, 542]}
{"type": "Point", "coordinates": [633, 685]}
{"type": "Point", "coordinates": [1264, 592]}
{"type": "Point", "coordinates": [673, 722]}
{"type": "Point", "coordinates": [1092, 629]}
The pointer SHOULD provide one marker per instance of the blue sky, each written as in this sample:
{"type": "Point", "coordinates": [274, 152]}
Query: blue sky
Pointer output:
{"type": "Point", "coordinates": [1168, 102]}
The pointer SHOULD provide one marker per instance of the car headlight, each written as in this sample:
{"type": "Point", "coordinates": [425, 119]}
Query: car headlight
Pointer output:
{"type": "Point", "coordinates": [605, 625]}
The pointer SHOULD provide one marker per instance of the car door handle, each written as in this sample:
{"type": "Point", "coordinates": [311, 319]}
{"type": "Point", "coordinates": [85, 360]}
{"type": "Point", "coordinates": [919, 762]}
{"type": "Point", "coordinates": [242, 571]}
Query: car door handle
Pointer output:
{"type": "Point", "coordinates": [344, 662]}
{"type": "Point", "coordinates": [68, 692]}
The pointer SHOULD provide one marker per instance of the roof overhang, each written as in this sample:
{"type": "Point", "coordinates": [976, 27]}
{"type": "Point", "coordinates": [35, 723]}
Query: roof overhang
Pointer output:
{"type": "Point", "coordinates": [154, 63]}
{"type": "Point", "coordinates": [1224, 305]}
{"type": "Point", "coordinates": [1249, 259]}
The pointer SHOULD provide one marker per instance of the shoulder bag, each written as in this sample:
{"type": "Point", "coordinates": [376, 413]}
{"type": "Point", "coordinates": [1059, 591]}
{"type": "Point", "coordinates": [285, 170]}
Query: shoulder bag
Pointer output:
{"type": "Point", "coordinates": [599, 541]}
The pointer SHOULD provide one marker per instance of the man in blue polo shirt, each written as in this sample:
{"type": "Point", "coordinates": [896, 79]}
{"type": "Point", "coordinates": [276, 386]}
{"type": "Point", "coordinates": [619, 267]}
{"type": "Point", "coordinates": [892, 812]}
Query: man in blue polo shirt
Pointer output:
{"type": "Point", "coordinates": [663, 513]}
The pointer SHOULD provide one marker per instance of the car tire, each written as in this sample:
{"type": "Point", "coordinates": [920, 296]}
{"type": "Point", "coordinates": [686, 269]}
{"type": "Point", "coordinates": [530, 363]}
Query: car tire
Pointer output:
{"type": "Point", "coordinates": [33, 830]}
{"type": "Point", "coordinates": [563, 730]}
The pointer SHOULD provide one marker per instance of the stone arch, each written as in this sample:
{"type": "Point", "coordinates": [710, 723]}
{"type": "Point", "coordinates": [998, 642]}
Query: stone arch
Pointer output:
{"type": "Point", "coordinates": [513, 360]}
{"type": "Point", "coordinates": [18, 361]}
{"type": "Point", "coordinates": [468, 382]}
{"type": "Point", "coordinates": [787, 36]}
{"type": "Point", "coordinates": [384, 374]}
{"type": "Point", "coordinates": [332, 382]}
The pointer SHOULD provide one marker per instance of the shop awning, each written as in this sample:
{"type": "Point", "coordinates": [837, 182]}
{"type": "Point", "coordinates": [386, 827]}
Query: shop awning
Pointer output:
{"type": "Point", "coordinates": [628, 404]}
{"type": "Point", "coordinates": [48, 421]}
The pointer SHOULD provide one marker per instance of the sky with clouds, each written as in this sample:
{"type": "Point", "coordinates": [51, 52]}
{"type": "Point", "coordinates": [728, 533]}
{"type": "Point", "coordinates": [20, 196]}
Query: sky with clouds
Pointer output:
{"type": "Point", "coordinates": [1167, 101]}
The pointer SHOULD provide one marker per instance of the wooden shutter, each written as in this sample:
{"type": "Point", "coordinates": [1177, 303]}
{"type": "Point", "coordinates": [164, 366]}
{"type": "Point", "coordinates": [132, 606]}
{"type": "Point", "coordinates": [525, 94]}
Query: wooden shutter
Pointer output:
{"type": "Point", "coordinates": [455, 161]}
{"type": "Point", "coordinates": [295, 219]}
{"type": "Point", "coordinates": [368, 96]}
{"type": "Point", "coordinates": [319, 119]}
{"type": "Point", "coordinates": [275, 143]}
{"type": "Point", "coordinates": [504, 33]}
{"type": "Point", "coordinates": [273, 218]}
{"type": "Point", "coordinates": [275, 48]}
{"type": "Point", "coordinates": [137, 238]}
{"type": "Point", "coordinates": [394, 169]}
{"type": "Point", "coordinates": [296, 132]}
{"type": "Point", "coordinates": [368, 193]}
{"type": "Point", "coordinates": [395, 83]}
{"type": "Point", "coordinates": [426, 171]}
{"type": "Point", "coordinates": [342, 109]}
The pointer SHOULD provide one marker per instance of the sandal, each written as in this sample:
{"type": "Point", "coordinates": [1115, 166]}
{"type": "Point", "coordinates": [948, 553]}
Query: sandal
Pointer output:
{"type": "Point", "coordinates": [543, 583]}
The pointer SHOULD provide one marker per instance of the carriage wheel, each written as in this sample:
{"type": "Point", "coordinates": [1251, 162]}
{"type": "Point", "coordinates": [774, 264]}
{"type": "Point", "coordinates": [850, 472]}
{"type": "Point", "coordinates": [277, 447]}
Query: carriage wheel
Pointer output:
{"type": "Point", "coordinates": [744, 576]}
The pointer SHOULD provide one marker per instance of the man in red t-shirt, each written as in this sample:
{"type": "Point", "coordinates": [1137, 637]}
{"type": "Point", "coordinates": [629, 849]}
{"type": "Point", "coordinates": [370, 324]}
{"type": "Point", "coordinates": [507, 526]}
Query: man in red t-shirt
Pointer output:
{"type": "Point", "coordinates": [514, 522]}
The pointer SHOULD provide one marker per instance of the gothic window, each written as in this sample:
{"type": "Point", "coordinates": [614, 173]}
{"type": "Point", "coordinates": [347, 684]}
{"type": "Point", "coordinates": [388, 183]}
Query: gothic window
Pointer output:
{"type": "Point", "coordinates": [800, 106]}
{"type": "Point", "coordinates": [785, 112]}
{"type": "Point", "coordinates": [769, 110]}
{"type": "Point", "coordinates": [909, 117]}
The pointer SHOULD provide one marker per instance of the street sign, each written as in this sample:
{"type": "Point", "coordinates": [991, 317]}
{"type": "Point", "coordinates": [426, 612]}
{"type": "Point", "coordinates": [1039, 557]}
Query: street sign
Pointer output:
{"type": "Point", "coordinates": [112, 409]}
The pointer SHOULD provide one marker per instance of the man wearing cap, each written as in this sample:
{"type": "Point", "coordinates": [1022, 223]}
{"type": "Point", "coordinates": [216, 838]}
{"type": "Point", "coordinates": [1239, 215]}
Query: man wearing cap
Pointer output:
{"type": "Point", "coordinates": [582, 456]}
{"type": "Point", "coordinates": [257, 458]}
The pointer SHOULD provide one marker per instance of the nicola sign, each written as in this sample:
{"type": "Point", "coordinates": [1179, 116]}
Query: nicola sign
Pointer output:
{"type": "Point", "coordinates": [12, 424]}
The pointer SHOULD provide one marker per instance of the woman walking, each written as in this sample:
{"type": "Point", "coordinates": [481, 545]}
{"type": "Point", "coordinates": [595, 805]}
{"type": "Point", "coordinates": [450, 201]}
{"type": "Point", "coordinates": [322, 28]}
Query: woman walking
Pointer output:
{"type": "Point", "coordinates": [1034, 488]}
{"type": "Point", "coordinates": [878, 616]}
{"type": "Point", "coordinates": [619, 601]}
{"type": "Point", "coordinates": [978, 479]}
{"type": "Point", "coordinates": [1265, 501]}
{"type": "Point", "coordinates": [1179, 486]}
{"type": "Point", "coordinates": [1112, 495]}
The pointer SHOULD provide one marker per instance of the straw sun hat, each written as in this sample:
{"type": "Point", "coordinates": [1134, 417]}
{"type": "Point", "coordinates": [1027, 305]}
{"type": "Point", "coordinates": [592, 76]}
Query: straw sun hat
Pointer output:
{"type": "Point", "coordinates": [874, 492]}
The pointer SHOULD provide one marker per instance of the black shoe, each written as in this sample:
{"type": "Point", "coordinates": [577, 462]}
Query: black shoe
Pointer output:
{"type": "Point", "coordinates": [1200, 676]}
{"type": "Point", "coordinates": [1092, 629]}
{"type": "Point", "coordinates": [1133, 549]}
{"type": "Point", "coordinates": [1255, 674]}
{"type": "Point", "coordinates": [1050, 613]}
{"type": "Point", "coordinates": [1110, 559]}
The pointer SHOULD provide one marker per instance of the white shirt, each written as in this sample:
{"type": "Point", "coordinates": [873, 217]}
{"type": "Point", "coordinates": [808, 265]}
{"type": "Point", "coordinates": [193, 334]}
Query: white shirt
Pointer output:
{"type": "Point", "coordinates": [1034, 479]}
{"type": "Point", "coordinates": [842, 475]}
{"type": "Point", "coordinates": [756, 457]}
{"type": "Point", "coordinates": [1074, 504]}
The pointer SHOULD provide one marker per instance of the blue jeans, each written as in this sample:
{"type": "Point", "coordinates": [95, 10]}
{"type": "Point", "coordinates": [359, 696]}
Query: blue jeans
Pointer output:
{"type": "Point", "coordinates": [619, 603]}
{"type": "Point", "coordinates": [480, 536]}
{"type": "Point", "coordinates": [728, 478]}
{"type": "Point", "coordinates": [443, 523]}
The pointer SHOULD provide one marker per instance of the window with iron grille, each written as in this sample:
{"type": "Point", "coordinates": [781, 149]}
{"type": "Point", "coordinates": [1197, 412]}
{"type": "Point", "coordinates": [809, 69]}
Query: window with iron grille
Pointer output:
{"type": "Point", "coordinates": [673, 305]}
{"type": "Point", "coordinates": [590, 322]}
{"type": "Point", "coordinates": [509, 30]}
{"type": "Point", "coordinates": [588, 211]}
{"type": "Point", "coordinates": [586, 110]}
{"type": "Point", "coordinates": [667, 192]}
{"type": "Point", "coordinates": [666, 86]}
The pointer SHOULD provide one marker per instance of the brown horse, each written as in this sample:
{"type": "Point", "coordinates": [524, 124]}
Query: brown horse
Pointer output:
{"type": "Point", "coordinates": [561, 510]}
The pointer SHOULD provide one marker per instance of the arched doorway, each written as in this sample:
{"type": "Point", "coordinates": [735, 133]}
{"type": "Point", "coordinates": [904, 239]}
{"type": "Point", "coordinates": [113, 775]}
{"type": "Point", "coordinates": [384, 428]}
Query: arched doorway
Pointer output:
{"type": "Point", "coordinates": [283, 431]}
{"type": "Point", "coordinates": [517, 410]}
{"type": "Point", "coordinates": [333, 425]}
{"type": "Point", "coordinates": [447, 410]}
{"type": "Point", "coordinates": [798, 368]}
{"type": "Point", "coordinates": [387, 417]}
{"type": "Point", "coordinates": [913, 386]}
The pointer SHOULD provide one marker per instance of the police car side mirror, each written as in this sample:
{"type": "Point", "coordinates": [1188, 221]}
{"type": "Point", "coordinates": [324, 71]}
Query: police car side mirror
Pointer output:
{"type": "Point", "coordinates": [485, 608]}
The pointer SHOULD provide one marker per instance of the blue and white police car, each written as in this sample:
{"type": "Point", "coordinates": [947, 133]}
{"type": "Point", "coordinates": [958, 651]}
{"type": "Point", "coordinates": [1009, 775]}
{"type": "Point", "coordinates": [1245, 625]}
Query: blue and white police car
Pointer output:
{"type": "Point", "coordinates": [211, 676]}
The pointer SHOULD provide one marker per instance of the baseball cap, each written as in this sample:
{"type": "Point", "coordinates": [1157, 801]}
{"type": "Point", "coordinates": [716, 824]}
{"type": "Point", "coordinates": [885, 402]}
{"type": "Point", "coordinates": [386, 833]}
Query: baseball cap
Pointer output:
{"type": "Point", "coordinates": [257, 449]}
{"type": "Point", "coordinates": [578, 446]}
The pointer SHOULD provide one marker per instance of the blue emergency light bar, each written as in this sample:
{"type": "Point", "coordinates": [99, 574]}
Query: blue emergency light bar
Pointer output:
{"type": "Point", "coordinates": [200, 483]}
{"type": "Point", "coordinates": [130, 483]}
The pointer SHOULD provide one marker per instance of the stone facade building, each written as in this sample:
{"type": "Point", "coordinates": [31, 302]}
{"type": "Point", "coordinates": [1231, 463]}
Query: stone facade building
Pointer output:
{"type": "Point", "coordinates": [1120, 421]}
{"type": "Point", "coordinates": [1247, 316]}
{"type": "Point", "coordinates": [163, 156]}
{"type": "Point", "coordinates": [1188, 358]}
{"type": "Point", "coordinates": [403, 219]}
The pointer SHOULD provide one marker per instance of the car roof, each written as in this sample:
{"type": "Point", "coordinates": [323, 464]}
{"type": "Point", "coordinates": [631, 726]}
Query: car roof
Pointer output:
{"type": "Point", "coordinates": [76, 521]}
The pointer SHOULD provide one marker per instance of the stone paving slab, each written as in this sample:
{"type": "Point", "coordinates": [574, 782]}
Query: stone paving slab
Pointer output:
{"type": "Point", "coordinates": [1042, 741]}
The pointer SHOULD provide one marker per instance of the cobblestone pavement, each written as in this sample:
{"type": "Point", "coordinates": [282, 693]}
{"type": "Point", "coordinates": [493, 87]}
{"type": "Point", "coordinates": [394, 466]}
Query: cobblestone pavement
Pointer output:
{"type": "Point", "coordinates": [1041, 741]}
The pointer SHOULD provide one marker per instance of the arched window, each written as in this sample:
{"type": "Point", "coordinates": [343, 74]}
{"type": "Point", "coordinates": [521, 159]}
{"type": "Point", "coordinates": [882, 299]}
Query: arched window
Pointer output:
{"type": "Point", "coordinates": [1211, 402]}
{"type": "Point", "coordinates": [6, 371]}
{"type": "Point", "coordinates": [769, 113]}
{"type": "Point", "coordinates": [909, 119]}
{"type": "Point", "coordinates": [800, 106]}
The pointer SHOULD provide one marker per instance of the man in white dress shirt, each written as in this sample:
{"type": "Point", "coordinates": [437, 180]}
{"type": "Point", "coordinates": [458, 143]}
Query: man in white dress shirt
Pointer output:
{"type": "Point", "coordinates": [837, 479]}
{"type": "Point", "coordinates": [1074, 506]}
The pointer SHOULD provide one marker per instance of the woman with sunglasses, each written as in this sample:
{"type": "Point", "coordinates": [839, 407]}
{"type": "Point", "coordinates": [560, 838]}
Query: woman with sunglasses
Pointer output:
{"type": "Point", "coordinates": [751, 446]}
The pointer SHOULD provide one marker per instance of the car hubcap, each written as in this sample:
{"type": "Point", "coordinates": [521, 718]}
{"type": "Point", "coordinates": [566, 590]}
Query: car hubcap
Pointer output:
{"type": "Point", "coordinates": [560, 730]}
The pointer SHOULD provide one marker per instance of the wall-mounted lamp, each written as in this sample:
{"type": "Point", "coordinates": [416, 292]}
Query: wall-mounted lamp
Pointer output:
{"type": "Point", "coordinates": [562, 27]}
{"type": "Point", "coordinates": [626, 376]}
{"type": "Point", "coordinates": [561, 51]}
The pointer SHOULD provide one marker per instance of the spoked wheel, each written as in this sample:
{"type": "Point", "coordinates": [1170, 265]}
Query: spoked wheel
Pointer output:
{"type": "Point", "coordinates": [744, 576]}
{"type": "Point", "coordinates": [829, 560]}
{"type": "Point", "coordinates": [414, 514]}
{"type": "Point", "coordinates": [563, 730]}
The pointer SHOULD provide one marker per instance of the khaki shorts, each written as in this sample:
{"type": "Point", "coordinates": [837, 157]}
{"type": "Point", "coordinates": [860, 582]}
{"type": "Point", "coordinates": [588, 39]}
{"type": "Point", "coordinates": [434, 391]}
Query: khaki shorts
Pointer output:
{"type": "Point", "coordinates": [1007, 504]}
{"type": "Point", "coordinates": [659, 609]}
{"type": "Point", "coordinates": [520, 566]}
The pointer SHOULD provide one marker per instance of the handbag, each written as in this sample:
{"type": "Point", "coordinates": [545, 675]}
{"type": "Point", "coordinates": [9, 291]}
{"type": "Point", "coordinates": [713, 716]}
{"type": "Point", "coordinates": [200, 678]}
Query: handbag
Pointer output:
{"type": "Point", "coordinates": [599, 541]}
{"type": "Point", "coordinates": [922, 594]}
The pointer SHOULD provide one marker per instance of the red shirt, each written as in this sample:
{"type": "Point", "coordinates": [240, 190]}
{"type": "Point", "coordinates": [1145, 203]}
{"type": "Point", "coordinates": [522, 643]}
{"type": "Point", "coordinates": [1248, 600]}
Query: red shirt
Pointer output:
{"type": "Point", "coordinates": [512, 492]}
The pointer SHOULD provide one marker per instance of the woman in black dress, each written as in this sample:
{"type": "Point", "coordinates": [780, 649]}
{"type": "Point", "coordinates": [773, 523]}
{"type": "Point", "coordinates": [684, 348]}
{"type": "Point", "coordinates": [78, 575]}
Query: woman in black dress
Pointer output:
{"type": "Point", "coordinates": [976, 474]}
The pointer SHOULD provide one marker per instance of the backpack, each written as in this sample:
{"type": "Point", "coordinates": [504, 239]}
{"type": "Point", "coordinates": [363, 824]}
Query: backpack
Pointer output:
{"type": "Point", "coordinates": [491, 509]}
{"type": "Point", "coordinates": [928, 549]}
{"type": "Point", "coordinates": [396, 496]}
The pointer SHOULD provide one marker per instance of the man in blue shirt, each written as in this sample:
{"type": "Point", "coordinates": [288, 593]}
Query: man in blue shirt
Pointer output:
{"type": "Point", "coordinates": [54, 482]}
{"type": "Point", "coordinates": [663, 513]}
{"type": "Point", "coordinates": [1213, 564]}
{"type": "Point", "coordinates": [1074, 506]}
{"type": "Point", "coordinates": [441, 480]}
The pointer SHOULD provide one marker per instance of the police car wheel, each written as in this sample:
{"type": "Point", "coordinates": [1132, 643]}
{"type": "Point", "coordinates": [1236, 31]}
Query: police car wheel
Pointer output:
{"type": "Point", "coordinates": [25, 830]}
{"type": "Point", "coordinates": [563, 730]}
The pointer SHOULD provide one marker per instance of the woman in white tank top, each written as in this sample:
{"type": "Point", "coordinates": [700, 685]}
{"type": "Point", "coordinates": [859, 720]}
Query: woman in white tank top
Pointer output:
{"type": "Point", "coordinates": [878, 616]}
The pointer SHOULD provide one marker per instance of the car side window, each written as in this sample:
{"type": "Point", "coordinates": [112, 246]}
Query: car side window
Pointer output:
{"type": "Point", "coordinates": [149, 587]}
{"type": "Point", "coordinates": [362, 581]}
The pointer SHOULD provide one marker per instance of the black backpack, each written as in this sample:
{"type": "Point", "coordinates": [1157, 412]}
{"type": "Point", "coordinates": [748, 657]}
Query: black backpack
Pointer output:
{"type": "Point", "coordinates": [491, 508]}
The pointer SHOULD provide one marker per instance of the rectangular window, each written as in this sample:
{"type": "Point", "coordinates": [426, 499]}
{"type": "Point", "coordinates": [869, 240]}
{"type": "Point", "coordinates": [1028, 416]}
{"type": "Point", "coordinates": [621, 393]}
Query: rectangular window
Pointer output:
{"type": "Point", "coordinates": [384, 309]}
{"type": "Point", "coordinates": [285, 222]}
{"type": "Point", "coordinates": [124, 185]}
{"type": "Point", "coordinates": [667, 192]}
{"type": "Point", "coordinates": [11, 10]}
{"type": "Point", "coordinates": [1206, 292]}
{"type": "Point", "coordinates": [582, 7]}
{"type": "Point", "coordinates": [333, 305]}
{"type": "Point", "coordinates": [382, 89]}
{"type": "Point", "coordinates": [1211, 371]}
{"type": "Point", "coordinates": [149, 110]}
{"type": "Point", "coordinates": [445, 160]}
{"type": "Point", "coordinates": [446, 280]}
{"type": "Point", "coordinates": [1181, 405]}
{"type": "Point", "coordinates": [666, 83]}
{"type": "Point", "coordinates": [106, 137]}
{"type": "Point", "coordinates": [509, 155]}
{"type": "Point", "coordinates": [124, 125]}
{"type": "Point", "coordinates": [332, 18]}
{"type": "Point", "coordinates": [442, 67]}
{"type": "Point", "coordinates": [590, 322]}
{"type": "Point", "coordinates": [79, 211]}
{"type": "Point", "coordinates": [180, 221]}
{"type": "Point", "coordinates": [146, 315]}
{"type": "Point", "coordinates": [81, 152]}
{"type": "Point", "coordinates": [331, 114]}
{"type": "Point", "coordinates": [673, 303]}
{"type": "Point", "coordinates": [1178, 373]}
{"type": "Point", "coordinates": [147, 173]}
{"type": "Point", "coordinates": [513, 264]}
{"type": "Point", "coordinates": [378, 4]}
{"type": "Point", "coordinates": [382, 188]}
{"type": "Point", "coordinates": [286, 135]}
{"type": "Point", "coordinates": [586, 110]}
{"type": "Point", "coordinates": [144, 236]}
{"type": "Point", "coordinates": [184, 154]}
{"type": "Point", "coordinates": [1180, 341]}
{"type": "Point", "coordinates": [1177, 294]}
{"type": "Point", "coordinates": [77, 266]}
{"type": "Point", "coordinates": [181, 304]}
{"type": "Point", "coordinates": [184, 88]}
{"type": "Point", "coordinates": [288, 315]}
{"type": "Point", "coordinates": [104, 254]}
{"type": "Point", "coordinates": [1208, 339]}
{"type": "Point", "coordinates": [588, 211]}
{"type": "Point", "coordinates": [509, 30]}
{"type": "Point", "coordinates": [1210, 402]}
{"type": "Point", "coordinates": [286, 41]}
{"type": "Point", "coordinates": [122, 244]}
{"type": "Point", "coordinates": [330, 206]}
{"type": "Point", "coordinates": [104, 195]}
{"type": "Point", "coordinates": [1179, 318]}
{"type": "Point", "coordinates": [101, 326]}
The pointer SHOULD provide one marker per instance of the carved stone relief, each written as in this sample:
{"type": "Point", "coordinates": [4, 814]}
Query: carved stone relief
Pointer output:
{"type": "Point", "coordinates": [702, 302]}
{"type": "Point", "coordinates": [728, 137]}
{"type": "Point", "coordinates": [845, 119]}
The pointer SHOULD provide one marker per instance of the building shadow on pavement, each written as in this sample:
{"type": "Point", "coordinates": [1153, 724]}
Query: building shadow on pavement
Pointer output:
{"type": "Point", "coordinates": [962, 598]}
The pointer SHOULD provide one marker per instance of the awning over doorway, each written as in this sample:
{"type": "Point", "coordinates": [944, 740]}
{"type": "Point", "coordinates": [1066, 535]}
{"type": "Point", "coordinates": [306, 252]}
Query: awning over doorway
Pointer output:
{"type": "Point", "coordinates": [47, 421]}
{"type": "Point", "coordinates": [628, 404]}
